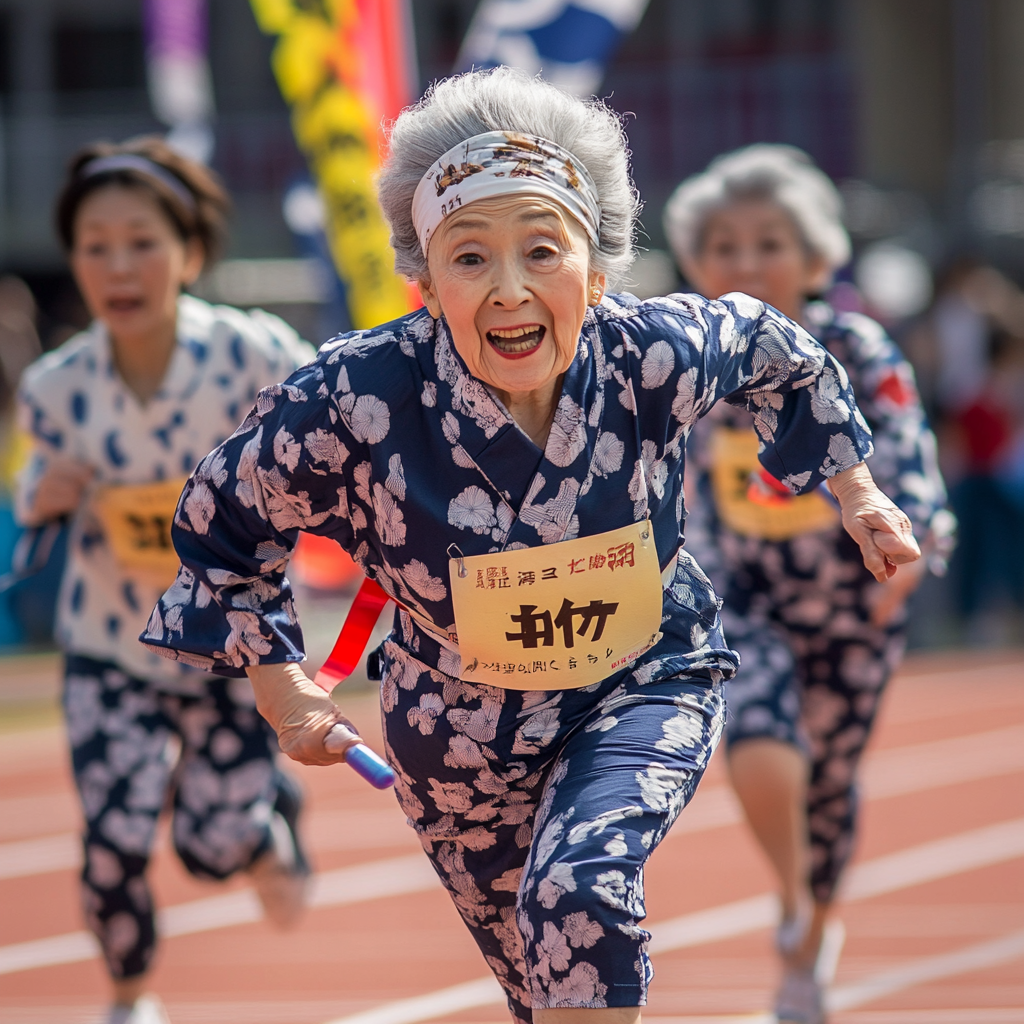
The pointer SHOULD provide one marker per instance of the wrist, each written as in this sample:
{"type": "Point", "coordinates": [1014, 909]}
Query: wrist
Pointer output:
{"type": "Point", "coordinates": [851, 482]}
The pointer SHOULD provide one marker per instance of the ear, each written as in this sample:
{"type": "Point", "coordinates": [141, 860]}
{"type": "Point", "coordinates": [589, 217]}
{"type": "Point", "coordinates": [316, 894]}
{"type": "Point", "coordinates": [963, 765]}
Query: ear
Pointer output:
{"type": "Point", "coordinates": [195, 257]}
{"type": "Point", "coordinates": [597, 284]}
{"type": "Point", "coordinates": [429, 297]}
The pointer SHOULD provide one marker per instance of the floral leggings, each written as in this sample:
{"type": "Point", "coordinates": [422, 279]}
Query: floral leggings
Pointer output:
{"type": "Point", "coordinates": [812, 668]}
{"type": "Point", "coordinates": [539, 809]}
{"type": "Point", "coordinates": [224, 783]}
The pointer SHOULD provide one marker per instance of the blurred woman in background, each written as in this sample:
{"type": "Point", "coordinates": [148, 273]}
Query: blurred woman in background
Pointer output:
{"type": "Point", "coordinates": [818, 637]}
{"type": "Point", "coordinates": [119, 415]}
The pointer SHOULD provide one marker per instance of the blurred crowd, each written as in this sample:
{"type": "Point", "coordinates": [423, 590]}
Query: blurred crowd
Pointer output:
{"type": "Point", "coordinates": [968, 351]}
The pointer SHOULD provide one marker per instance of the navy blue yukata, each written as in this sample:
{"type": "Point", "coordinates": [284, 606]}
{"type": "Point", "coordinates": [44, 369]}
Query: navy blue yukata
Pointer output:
{"type": "Point", "coordinates": [538, 809]}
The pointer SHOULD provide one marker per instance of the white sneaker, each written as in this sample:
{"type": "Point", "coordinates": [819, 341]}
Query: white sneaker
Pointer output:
{"type": "Point", "coordinates": [145, 1010]}
{"type": "Point", "coordinates": [800, 998]}
{"type": "Point", "coordinates": [281, 877]}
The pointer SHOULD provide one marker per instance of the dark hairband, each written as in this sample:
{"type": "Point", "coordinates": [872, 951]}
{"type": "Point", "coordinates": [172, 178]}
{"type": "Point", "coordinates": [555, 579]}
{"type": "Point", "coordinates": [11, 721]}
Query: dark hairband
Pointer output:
{"type": "Point", "coordinates": [143, 165]}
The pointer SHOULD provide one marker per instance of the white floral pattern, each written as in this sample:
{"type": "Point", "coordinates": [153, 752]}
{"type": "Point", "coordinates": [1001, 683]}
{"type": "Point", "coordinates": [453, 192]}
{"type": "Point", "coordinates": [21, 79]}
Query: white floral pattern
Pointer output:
{"type": "Point", "coordinates": [483, 772]}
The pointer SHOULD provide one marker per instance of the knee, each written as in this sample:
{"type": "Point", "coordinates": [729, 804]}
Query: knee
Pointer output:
{"type": "Point", "coordinates": [219, 845]}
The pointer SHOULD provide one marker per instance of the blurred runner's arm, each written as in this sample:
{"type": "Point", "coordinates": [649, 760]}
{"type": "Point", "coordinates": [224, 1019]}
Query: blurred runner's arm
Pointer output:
{"type": "Point", "coordinates": [50, 487]}
{"type": "Point", "coordinates": [905, 463]}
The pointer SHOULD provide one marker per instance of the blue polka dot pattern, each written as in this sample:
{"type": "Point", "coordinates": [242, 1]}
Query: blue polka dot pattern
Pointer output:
{"type": "Point", "coordinates": [74, 402]}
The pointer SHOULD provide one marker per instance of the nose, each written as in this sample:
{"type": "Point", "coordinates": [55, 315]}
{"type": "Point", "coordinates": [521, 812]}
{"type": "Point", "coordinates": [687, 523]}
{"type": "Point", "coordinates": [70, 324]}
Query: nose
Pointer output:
{"type": "Point", "coordinates": [509, 289]}
{"type": "Point", "coordinates": [120, 260]}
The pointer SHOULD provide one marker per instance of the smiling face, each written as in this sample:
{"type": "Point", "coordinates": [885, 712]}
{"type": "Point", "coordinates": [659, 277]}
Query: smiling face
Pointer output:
{"type": "Point", "coordinates": [753, 246]}
{"type": "Point", "coordinates": [130, 262]}
{"type": "Point", "coordinates": [512, 277]}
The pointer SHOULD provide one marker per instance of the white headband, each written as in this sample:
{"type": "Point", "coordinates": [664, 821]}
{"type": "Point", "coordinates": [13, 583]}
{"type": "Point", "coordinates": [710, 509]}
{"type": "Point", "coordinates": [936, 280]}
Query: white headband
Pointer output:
{"type": "Point", "coordinates": [495, 164]}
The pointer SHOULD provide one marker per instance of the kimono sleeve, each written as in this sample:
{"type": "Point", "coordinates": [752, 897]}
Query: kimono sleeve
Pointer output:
{"type": "Point", "coordinates": [39, 416]}
{"type": "Point", "coordinates": [238, 519]}
{"type": "Point", "coordinates": [905, 464]}
{"type": "Point", "coordinates": [752, 356]}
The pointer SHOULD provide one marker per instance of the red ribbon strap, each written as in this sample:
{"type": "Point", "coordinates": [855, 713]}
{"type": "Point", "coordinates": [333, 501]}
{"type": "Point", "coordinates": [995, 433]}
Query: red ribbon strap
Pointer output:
{"type": "Point", "coordinates": [354, 635]}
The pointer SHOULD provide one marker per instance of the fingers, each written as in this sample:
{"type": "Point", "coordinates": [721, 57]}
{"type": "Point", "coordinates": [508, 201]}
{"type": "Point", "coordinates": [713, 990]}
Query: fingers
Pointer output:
{"type": "Point", "coordinates": [899, 550]}
{"type": "Point", "coordinates": [340, 739]}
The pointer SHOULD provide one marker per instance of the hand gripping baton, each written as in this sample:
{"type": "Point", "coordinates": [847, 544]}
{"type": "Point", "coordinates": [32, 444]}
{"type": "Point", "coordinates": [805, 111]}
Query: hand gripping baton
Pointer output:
{"type": "Point", "coordinates": [348, 649]}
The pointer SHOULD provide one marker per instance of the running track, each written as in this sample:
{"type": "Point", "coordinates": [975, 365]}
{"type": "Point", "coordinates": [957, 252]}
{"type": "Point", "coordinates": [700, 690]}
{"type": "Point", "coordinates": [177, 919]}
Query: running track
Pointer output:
{"type": "Point", "coordinates": [934, 908]}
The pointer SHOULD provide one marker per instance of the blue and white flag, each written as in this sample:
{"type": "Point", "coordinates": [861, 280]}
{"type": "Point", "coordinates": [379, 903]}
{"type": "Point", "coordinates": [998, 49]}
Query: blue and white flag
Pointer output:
{"type": "Point", "coordinates": [568, 41]}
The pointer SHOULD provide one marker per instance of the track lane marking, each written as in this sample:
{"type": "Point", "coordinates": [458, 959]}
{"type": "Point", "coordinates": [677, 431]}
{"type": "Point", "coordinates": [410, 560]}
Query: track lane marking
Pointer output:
{"type": "Point", "coordinates": [940, 858]}
{"type": "Point", "coordinates": [897, 771]}
{"type": "Point", "coordinates": [395, 876]}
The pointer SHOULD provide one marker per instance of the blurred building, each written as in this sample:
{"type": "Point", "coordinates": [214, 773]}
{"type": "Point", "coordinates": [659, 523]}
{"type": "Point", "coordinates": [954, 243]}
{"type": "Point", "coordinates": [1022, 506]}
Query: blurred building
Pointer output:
{"type": "Point", "coordinates": [917, 104]}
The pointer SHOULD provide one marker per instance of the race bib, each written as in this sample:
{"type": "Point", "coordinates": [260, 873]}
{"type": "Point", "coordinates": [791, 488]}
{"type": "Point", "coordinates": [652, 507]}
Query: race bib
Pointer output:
{"type": "Point", "coordinates": [753, 504]}
{"type": "Point", "coordinates": [558, 616]}
{"type": "Point", "coordinates": [137, 521]}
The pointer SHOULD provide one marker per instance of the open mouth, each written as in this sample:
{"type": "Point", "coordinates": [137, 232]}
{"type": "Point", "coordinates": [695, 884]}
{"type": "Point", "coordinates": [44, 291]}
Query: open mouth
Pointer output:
{"type": "Point", "coordinates": [516, 342]}
{"type": "Point", "coordinates": [124, 305]}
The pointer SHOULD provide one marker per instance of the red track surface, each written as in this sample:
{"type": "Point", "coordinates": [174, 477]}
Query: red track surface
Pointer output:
{"type": "Point", "coordinates": [346, 959]}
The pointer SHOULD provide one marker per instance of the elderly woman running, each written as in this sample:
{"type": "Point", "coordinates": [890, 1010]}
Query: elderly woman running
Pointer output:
{"type": "Point", "coordinates": [507, 464]}
{"type": "Point", "coordinates": [817, 635]}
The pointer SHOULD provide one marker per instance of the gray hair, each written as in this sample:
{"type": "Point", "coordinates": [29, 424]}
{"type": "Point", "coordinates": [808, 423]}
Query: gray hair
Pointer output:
{"type": "Point", "coordinates": [507, 99]}
{"type": "Point", "coordinates": [781, 174]}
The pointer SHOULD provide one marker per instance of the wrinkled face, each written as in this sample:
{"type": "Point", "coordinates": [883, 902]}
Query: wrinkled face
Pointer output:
{"type": "Point", "coordinates": [129, 261]}
{"type": "Point", "coordinates": [511, 275]}
{"type": "Point", "coordinates": [753, 246]}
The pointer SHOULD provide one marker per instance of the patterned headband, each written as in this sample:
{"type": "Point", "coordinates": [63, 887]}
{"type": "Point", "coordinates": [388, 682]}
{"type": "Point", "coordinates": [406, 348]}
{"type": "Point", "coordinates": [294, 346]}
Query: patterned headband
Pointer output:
{"type": "Point", "coordinates": [497, 163]}
{"type": "Point", "coordinates": [141, 165]}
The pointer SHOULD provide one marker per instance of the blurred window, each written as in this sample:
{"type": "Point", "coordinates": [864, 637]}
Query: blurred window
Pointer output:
{"type": "Point", "coordinates": [6, 71]}
{"type": "Point", "coordinates": [91, 57]}
{"type": "Point", "coordinates": [748, 28]}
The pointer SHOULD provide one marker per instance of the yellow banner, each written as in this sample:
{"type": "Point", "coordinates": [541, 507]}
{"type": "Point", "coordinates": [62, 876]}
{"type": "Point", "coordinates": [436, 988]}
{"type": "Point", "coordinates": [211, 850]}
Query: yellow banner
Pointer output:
{"type": "Point", "coordinates": [558, 616]}
{"type": "Point", "coordinates": [336, 128]}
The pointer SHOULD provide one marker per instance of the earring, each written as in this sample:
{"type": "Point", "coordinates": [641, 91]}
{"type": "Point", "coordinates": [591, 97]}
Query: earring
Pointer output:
{"type": "Point", "coordinates": [595, 295]}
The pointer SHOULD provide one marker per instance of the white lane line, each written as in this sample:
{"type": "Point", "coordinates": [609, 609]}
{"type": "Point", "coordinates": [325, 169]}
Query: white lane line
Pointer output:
{"type": "Point", "coordinates": [978, 848]}
{"type": "Point", "coordinates": [467, 996]}
{"type": "Point", "coordinates": [39, 856]}
{"type": "Point", "coordinates": [393, 877]}
{"type": "Point", "coordinates": [887, 773]}
{"type": "Point", "coordinates": [930, 968]}
{"type": "Point", "coordinates": [486, 991]}
{"type": "Point", "coordinates": [967, 1015]}
{"type": "Point", "coordinates": [327, 831]}
{"type": "Point", "coordinates": [939, 859]}
{"type": "Point", "coordinates": [922, 766]}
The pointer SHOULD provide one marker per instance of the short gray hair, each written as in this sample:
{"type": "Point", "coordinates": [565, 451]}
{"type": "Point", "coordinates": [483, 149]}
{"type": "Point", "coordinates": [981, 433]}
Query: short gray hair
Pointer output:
{"type": "Point", "coordinates": [506, 99]}
{"type": "Point", "coordinates": [781, 174]}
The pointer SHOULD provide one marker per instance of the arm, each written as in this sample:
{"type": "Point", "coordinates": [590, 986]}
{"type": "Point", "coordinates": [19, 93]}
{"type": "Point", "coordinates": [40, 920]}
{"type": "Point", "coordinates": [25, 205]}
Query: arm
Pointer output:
{"type": "Point", "coordinates": [230, 609]}
{"type": "Point", "coordinates": [284, 470]}
{"type": "Point", "coordinates": [905, 462]}
{"type": "Point", "coordinates": [805, 414]}
{"type": "Point", "coordinates": [52, 483]}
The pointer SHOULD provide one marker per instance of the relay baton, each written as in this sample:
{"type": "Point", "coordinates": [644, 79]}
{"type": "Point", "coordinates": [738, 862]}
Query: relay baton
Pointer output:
{"type": "Point", "coordinates": [348, 649]}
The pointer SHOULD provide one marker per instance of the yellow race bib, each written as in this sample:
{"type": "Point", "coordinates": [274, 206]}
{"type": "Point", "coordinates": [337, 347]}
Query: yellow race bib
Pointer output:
{"type": "Point", "coordinates": [137, 520]}
{"type": "Point", "coordinates": [747, 507]}
{"type": "Point", "coordinates": [559, 616]}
